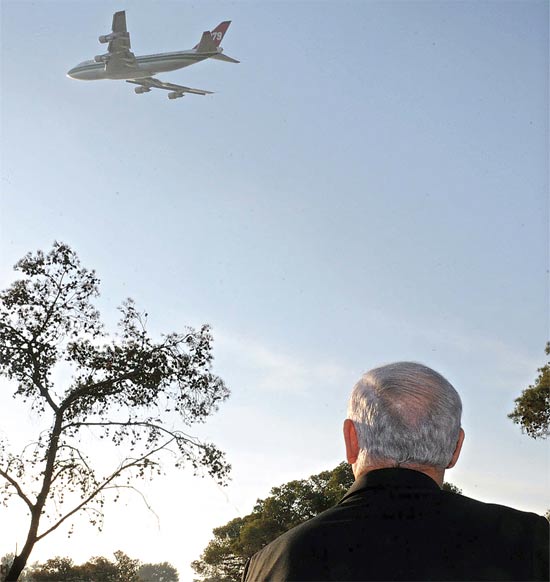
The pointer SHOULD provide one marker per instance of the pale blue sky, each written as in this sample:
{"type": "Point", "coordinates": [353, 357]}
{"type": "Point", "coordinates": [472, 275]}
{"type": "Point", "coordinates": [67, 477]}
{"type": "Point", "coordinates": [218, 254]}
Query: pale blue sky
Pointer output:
{"type": "Point", "coordinates": [368, 185]}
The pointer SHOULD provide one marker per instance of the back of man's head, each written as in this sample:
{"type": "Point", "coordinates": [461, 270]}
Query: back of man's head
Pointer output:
{"type": "Point", "coordinates": [405, 414]}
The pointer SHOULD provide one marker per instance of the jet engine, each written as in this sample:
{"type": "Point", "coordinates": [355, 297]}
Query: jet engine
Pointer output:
{"type": "Point", "coordinates": [109, 37]}
{"type": "Point", "coordinates": [139, 90]}
{"type": "Point", "coordinates": [175, 95]}
{"type": "Point", "coordinates": [101, 58]}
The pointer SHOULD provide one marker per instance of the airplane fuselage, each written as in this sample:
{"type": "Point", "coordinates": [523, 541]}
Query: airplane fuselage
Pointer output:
{"type": "Point", "coordinates": [146, 66]}
{"type": "Point", "coordinates": [120, 63]}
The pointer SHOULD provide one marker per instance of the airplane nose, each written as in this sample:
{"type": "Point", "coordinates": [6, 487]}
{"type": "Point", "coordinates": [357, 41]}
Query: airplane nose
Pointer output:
{"type": "Point", "coordinates": [70, 73]}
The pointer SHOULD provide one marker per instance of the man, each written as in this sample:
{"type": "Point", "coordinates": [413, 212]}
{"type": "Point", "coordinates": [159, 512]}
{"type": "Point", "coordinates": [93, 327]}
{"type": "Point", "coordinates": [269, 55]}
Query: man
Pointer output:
{"type": "Point", "coordinates": [395, 522]}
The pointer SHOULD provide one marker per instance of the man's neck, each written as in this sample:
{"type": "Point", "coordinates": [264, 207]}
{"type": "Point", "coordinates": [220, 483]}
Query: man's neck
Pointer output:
{"type": "Point", "coordinates": [436, 474]}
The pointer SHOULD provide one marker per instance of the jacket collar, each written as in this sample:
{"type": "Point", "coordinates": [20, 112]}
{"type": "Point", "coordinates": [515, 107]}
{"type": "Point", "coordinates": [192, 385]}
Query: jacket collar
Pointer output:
{"type": "Point", "coordinates": [391, 478]}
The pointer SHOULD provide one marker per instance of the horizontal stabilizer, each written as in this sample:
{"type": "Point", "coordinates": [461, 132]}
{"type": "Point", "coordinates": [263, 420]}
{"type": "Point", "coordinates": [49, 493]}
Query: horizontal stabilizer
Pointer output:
{"type": "Point", "coordinates": [222, 57]}
{"type": "Point", "coordinates": [207, 44]}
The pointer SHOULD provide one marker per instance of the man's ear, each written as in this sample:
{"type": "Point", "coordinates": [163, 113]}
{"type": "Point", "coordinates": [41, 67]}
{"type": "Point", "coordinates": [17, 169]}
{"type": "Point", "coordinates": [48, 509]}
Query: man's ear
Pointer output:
{"type": "Point", "coordinates": [458, 448]}
{"type": "Point", "coordinates": [350, 438]}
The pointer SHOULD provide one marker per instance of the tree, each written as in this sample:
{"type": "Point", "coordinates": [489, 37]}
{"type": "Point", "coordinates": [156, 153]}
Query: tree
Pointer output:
{"type": "Point", "coordinates": [287, 506]}
{"type": "Point", "coordinates": [532, 410]}
{"type": "Point", "coordinates": [117, 390]}
{"type": "Point", "coordinates": [127, 568]}
{"type": "Point", "coordinates": [98, 568]}
{"type": "Point", "coordinates": [101, 569]}
{"type": "Point", "coordinates": [162, 572]}
{"type": "Point", "coordinates": [57, 569]}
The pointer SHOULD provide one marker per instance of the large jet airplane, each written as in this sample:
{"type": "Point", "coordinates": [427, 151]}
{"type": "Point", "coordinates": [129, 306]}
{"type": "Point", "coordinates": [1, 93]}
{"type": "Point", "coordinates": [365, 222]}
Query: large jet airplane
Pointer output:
{"type": "Point", "coordinates": [119, 62]}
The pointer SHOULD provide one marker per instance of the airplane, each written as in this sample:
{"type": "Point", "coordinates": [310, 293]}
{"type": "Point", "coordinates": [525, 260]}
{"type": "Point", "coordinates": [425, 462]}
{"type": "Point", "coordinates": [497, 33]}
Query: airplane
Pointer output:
{"type": "Point", "coordinates": [119, 62]}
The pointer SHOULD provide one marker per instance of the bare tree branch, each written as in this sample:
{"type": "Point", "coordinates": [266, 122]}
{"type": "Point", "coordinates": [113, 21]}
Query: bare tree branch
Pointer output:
{"type": "Point", "coordinates": [97, 490]}
{"type": "Point", "coordinates": [144, 499]}
{"type": "Point", "coordinates": [17, 487]}
{"type": "Point", "coordinates": [78, 453]}
{"type": "Point", "coordinates": [144, 424]}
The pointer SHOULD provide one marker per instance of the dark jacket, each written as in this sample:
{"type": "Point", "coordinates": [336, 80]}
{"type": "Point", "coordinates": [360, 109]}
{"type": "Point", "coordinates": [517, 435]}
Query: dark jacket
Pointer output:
{"type": "Point", "coordinates": [397, 524]}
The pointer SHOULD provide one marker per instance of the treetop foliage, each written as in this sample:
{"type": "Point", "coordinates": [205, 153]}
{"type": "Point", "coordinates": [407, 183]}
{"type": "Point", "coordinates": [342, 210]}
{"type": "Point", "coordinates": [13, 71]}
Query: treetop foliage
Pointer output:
{"type": "Point", "coordinates": [48, 317]}
{"type": "Point", "coordinates": [532, 409]}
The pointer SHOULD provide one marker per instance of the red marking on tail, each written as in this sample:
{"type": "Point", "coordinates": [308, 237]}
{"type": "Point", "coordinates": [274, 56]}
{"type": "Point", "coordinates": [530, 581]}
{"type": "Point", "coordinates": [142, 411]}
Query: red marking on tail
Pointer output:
{"type": "Point", "coordinates": [219, 32]}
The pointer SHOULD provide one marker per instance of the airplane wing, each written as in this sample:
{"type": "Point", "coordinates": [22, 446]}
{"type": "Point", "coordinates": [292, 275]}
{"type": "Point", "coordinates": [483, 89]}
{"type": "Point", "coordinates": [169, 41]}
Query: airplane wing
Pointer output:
{"type": "Point", "coordinates": [119, 58]}
{"type": "Point", "coordinates": [120, 37]}
{"type": "Point", "coordinates": [176, 91]}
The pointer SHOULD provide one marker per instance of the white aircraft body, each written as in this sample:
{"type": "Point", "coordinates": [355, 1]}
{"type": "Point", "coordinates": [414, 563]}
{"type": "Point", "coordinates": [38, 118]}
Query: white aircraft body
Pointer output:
{"type": "Point", "coordinates": [119, 62]}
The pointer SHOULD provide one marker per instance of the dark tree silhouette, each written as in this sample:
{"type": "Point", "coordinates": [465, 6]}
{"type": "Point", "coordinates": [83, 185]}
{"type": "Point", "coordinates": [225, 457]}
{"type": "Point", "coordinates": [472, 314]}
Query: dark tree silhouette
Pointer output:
{"type": "Point", "coordinates": [117, 390]}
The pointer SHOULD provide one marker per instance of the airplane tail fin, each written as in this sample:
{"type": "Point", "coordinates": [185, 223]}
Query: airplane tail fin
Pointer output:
{"type": "Point", "coordinates": [219, 32]}
{"type": "Point", "coordinates": [206, 45]}
{"type": "Point", "coordinates": [210, 40]}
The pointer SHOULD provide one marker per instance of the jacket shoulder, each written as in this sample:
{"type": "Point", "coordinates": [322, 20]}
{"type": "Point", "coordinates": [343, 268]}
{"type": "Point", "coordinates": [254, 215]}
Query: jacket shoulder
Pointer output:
{"type": "Point", "coordinates": [464, 503]}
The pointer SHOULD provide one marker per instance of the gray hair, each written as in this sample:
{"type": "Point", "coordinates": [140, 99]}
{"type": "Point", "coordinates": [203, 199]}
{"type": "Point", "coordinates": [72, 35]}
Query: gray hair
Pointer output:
{"type": "Point", "coordinates": [405, 413]}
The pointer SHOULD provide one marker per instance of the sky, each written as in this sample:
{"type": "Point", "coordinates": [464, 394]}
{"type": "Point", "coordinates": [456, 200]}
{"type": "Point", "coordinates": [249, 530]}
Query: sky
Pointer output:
{"type": "Point", "coordinates": [368, 185]}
